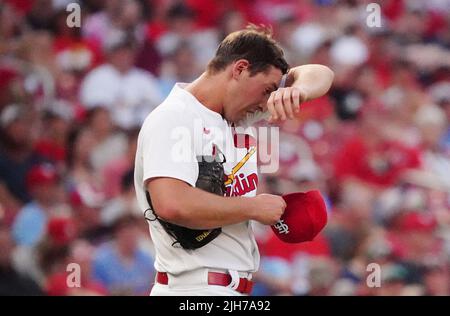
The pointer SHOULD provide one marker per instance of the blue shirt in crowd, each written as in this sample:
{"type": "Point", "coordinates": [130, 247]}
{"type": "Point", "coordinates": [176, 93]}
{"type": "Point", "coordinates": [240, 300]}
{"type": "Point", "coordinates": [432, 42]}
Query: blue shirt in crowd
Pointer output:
{"type": "Point", "coordinates": [29, 225]}
{"type": "Point", "coordinates": [134, 277]}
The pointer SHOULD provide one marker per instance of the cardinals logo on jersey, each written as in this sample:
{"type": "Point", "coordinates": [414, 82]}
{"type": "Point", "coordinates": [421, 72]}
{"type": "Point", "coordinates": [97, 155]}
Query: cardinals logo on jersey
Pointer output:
{"type": "Point", "coordinates": [237, 183]}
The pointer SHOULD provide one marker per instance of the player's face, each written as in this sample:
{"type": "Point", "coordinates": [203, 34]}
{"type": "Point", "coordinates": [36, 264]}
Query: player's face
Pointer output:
{"type": "Point", "coordinates": [252, 93]}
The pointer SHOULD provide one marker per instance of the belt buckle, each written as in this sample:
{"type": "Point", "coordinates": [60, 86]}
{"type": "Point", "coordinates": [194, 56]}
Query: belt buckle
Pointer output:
{"type": "Point", "coordinates": [242, 285]}
{"type": "Point", "coordinates": [235, 279]}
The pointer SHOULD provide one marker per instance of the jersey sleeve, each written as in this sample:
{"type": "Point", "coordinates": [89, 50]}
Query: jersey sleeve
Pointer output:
{"type": "Point", "coordinates": [168, 148]}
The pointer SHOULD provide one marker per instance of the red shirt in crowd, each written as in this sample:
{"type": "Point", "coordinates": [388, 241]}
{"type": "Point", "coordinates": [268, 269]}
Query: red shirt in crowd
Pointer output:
{"type": "Point", "coordinates": [57, 286]}
{"type": "Point", "coordinates": [381, 164]}
{"type": "Point", "coordinates": [274, 247]}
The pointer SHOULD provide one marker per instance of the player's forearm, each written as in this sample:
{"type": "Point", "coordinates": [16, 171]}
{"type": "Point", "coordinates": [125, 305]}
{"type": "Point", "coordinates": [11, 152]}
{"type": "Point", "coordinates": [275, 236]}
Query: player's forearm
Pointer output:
{"type": "Point", "coordinates": [315, 80]}
{"type": "Point", "coordinates": [206, 210]}
{"type": "Point", "coordinates": [181, 204]}
{"type": "Point", "coordinates": [202, 210]}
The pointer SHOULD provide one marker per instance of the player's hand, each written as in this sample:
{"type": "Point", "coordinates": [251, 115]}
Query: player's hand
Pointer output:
{"type": "Point", "coordinates": [268, 208]}
{"type": "Point", "coordinates": [284, 103]}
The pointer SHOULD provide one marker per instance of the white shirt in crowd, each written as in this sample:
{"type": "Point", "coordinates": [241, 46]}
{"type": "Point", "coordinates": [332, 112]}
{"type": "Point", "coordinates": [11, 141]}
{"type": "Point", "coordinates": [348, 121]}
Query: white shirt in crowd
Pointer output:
{"type": "Point", "coordinates": [129, 97]}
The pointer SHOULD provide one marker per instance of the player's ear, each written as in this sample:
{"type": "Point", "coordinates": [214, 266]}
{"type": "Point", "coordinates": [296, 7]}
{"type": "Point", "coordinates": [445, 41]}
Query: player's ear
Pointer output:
{"type": "Point", "coordinates": [239, 67]}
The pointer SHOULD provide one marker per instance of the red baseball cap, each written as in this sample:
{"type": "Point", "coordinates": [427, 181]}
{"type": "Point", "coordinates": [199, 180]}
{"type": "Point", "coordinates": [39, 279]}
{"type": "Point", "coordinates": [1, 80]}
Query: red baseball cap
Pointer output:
{"type": "Point", "coordinates": [61, 230]}
{"type": "Point", "coordinates": [416, 221]}
{"type": "Point", "coordinates": [303, 219]}
{"type": "Point", "coordinates": [41, 174]}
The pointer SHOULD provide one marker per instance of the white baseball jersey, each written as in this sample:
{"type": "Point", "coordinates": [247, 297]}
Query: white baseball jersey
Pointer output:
{"type": "Point", "coordinates": [171, 138]}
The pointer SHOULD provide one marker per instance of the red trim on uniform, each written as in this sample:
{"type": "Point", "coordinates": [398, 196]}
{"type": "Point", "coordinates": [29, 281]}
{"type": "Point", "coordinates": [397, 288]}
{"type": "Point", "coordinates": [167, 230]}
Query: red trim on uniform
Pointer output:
{"type": "Point", "coordinates": [162, 278]}
{"type": "Point", "coordinates": [244, 141]}
{"type": "Point", "coordinates": [214, 278]}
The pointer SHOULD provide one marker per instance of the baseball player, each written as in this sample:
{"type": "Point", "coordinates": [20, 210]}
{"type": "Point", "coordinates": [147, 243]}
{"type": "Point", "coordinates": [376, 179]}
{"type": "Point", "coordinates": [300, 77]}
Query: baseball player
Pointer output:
{"type": "Point", "coordinates": [195, 173]}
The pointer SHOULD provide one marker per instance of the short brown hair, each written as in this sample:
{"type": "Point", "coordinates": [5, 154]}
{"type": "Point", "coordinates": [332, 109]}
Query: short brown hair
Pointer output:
{"type": "Point", "coordinates": [254, 44]}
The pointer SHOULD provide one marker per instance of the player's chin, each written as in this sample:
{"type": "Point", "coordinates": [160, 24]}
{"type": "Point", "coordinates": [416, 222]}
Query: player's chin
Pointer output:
{"type": "Point", "coordinates": [236, 117]}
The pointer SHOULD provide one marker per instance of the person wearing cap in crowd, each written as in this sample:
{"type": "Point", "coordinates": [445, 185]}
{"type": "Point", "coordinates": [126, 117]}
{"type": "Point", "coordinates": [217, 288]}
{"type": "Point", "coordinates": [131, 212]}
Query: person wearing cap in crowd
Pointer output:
{"type": "Point", "coordinates": [51, 145]}
{"type": "Point", "coordinates": [16, 154]}
{"type": "Point", "coordinates": [29, 226]}
{"type": "Point", "coordinates": [60, 248]}
{"type": "Point", "coordinates": [52, 252]}
{"type": "Point", "coordinates": [82, 253]}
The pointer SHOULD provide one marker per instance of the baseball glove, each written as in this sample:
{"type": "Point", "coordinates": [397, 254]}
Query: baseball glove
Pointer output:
{"type": "Point", "coordinates": [211, 179]}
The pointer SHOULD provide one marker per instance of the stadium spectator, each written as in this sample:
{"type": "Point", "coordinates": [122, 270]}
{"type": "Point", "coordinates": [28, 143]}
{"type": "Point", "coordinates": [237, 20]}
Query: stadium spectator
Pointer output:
{"type": "Point", "coordinates": [30, 224]}
{"type": "Point", "coordinates": [128, 92]}
{"type": "Point", "coordinates": [120, 264]}
{"type": "Point", "coordinates": [12, 283]}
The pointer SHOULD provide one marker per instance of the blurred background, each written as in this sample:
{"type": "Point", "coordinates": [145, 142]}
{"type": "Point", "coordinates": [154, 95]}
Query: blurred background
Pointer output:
{"type": "Point", "coordinates": [377, 145]}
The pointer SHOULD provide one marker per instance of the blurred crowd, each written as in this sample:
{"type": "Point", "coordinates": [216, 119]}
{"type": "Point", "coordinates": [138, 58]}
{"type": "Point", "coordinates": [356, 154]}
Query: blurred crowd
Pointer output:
{"type": "Point", "coordinates": [377, 145]}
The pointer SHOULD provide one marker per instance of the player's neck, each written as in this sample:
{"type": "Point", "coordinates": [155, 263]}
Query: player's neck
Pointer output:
{"type": "Point", "coordinates": [208, 90]}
